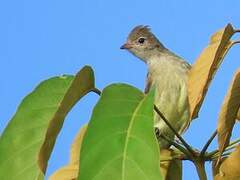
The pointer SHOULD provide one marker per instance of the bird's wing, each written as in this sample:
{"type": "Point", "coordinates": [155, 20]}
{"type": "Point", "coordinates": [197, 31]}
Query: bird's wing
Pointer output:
{"type": "Point", "coordinates": [186, 65]}
{"type": "Point", "coordinates": [148, 83]}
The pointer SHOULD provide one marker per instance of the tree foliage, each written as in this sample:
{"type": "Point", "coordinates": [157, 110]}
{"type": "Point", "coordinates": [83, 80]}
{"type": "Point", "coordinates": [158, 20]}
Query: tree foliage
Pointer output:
{"type": "Point", "coordinates": [119, 141]}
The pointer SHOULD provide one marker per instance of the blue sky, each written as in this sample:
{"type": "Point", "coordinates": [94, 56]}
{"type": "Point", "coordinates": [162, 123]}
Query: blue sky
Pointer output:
{"type": "Point", "coordinates": [41, 39]}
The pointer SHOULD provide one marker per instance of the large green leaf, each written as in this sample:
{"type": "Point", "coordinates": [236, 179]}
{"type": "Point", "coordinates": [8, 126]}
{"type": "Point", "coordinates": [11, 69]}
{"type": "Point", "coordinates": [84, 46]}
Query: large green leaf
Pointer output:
{"type": "Point", "coordinates": [120, 143]}
{"type": "Point", "coordinates": [27, 142]}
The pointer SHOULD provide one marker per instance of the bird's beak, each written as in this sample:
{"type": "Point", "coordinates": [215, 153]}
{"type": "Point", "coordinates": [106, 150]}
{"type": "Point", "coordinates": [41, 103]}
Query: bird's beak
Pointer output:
{"type": "Point", "coordinates": [126, 46]}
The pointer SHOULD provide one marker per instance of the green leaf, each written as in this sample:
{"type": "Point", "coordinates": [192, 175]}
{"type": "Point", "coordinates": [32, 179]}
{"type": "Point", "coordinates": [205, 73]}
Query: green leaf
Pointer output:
{"type": "Point", "coordinates": [27, 142]}
{"type": "Point", "coordinates": [120, 143]}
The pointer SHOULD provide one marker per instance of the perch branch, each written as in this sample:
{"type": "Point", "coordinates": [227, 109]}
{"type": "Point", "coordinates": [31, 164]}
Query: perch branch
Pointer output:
{"type": "Point", "coordinates": [185, 144]}
{"type": "Point", "coordinates": [176, 145]}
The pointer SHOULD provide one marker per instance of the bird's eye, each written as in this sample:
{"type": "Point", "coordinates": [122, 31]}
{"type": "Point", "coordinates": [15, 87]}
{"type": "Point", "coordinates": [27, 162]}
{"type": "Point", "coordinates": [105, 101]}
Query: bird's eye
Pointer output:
{"type": "Point", "coordinates": [141, 40]}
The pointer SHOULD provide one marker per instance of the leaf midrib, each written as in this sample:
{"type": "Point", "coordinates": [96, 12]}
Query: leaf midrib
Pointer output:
{"type": "Point", "coordinates": [128, 137]}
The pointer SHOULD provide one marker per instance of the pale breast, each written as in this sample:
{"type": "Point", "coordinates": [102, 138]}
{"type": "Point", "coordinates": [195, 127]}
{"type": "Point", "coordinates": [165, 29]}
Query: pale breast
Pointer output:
{"type": "Point", "coordinates": [169, 75]}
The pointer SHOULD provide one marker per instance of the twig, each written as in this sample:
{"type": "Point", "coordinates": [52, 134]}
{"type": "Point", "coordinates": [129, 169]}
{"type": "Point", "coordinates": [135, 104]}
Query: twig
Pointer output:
{"type": "Point", "coordinates": [208, 143]}
{"type": "Point", "coordinates": [185, 144]}
{"type": "Point", "coordinates": [216, 156]}
{"type": "Point", "coordinates": [226, 152]}
{"type": "Point", "coordinates": [176, 145]}
{"type": "Point", "coordinates": [235, 42]}
{"type": "Point", "coordinates": [231, 144]}
{"type": "Point", "coordinates": [236, 30]}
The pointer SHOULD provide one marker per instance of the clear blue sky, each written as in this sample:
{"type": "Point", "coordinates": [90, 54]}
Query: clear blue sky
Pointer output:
{"type": "Point", "coordinates": [41, 39]}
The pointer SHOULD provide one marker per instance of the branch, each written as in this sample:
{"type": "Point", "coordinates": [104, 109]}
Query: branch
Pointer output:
{"type": "Point", "coordinates": [224, 155]}
{"type": "Point", "coordinates": [236, 42]}
{"type": "Point", "coordinates": [200, 166]}
{"type": "Point", "coordinates": [176, 145]}
{"type": "Point", "coordinates": [185, 144]}
{"type": "Point", "coordinates": [208, 143]}
{"type": "Point", "coordinates": [229, 147]}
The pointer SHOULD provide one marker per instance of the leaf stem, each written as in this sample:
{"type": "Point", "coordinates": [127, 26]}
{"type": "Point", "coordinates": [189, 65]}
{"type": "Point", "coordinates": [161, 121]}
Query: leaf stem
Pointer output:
{"type": "Point", "coordinates": [208, 143]}
{"type": "Point", "coordinates": [216, 156]}
{"type": "Point", "coordinates": [97, 91]}
{"type": "Point", "coordinates": [237, 31]}
{"type": "Point", "coordinates": [227, 148]}
{"type": "Point", "coordinates": [236, 42]}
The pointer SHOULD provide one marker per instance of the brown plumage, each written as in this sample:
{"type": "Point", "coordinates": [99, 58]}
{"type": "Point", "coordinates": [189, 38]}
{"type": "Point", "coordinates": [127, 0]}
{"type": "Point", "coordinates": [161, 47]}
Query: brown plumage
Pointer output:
{"type": "Point", "coordinates": [139, 31]}
{"type": "Point", "coordinates": [144, 31]}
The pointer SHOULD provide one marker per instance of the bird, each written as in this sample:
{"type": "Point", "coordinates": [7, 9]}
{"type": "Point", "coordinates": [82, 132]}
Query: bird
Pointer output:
{"type": "Point", "coordinates": [168, 74]}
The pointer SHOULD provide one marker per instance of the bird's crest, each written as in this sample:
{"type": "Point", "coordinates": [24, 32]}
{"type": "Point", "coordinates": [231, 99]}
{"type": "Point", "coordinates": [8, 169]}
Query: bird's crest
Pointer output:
{"type": "Point", "coordinates": [139, 31]}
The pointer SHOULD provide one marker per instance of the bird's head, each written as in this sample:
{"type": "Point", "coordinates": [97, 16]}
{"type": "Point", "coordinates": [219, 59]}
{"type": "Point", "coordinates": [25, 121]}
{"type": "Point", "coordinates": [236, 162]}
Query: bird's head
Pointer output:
{"type": "Point", "coordinates": [141, 42]}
